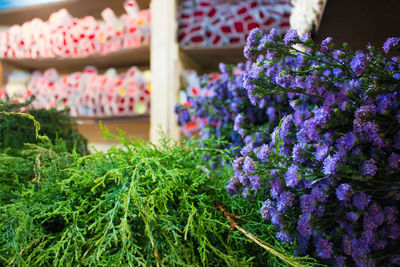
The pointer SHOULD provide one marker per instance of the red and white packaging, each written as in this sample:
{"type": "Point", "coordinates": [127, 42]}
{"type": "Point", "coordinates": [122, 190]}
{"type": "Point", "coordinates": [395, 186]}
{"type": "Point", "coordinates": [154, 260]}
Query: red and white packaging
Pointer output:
{"type": "Point", "coordinates": [65, 36]}
{"type": "Point", "coordinates": [86, 93]}
{"type": "Point", "coordinates": [222, 23]}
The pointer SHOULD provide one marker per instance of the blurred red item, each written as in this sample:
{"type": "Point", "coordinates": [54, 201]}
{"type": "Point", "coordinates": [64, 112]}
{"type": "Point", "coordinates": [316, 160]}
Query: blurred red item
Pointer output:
{"type": "Point", "coordinates": [224, 23]}
{"type": "Point", "coordinates": [64, 36]}
{"type": "Point", "coordinates": [86, 93]}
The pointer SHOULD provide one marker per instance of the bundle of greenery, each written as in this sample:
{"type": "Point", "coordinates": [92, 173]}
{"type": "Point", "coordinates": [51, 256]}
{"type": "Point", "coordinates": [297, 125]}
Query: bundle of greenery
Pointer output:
{"type": "Point", "coordinates": [138, 205]}
{"type": "Point", "coordinates": [17, 127]}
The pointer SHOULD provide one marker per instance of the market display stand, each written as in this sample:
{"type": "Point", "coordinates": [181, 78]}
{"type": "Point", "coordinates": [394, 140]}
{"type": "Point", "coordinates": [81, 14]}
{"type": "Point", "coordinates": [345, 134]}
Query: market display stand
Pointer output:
{"type": "Point", "coordinates": [136, 125]}
{"type": "Point", "coordinates": [165, 58]}
{"type": "Point", "coordinates": [169, 60]}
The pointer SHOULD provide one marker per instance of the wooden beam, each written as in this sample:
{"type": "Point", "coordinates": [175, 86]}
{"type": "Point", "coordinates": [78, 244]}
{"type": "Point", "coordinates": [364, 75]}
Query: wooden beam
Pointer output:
{"type": "Point", "coordinates": [165, 68]}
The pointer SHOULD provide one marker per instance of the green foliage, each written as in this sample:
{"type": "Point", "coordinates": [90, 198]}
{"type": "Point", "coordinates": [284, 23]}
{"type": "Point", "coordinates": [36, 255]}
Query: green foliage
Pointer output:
{"type": "Point", "coordinates": [20, 129]}
{"type": "Point", "coordinates": [140, 205]}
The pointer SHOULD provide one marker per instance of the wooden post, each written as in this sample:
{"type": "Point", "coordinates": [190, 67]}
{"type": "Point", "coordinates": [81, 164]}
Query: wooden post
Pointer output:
{"type": "Point", "coordinates": [165, 69]}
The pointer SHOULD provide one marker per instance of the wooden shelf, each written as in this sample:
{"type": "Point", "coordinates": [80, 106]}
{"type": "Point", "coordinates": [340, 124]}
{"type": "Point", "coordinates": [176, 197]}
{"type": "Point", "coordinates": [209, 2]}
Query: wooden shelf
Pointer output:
{"type": "Point", "coordinates": [125, 58]}
{"type": "Point", "coordinates": [208, 58]}
{"type": "Point", "coordinates": [77, 8]}
{"type": "Point", "coordinates": [124, 118]}
{"type": "Point", "coordinates": [137, 128]}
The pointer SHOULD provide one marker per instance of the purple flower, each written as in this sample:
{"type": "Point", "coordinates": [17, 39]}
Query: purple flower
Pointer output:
{"type": "Point", "coordinates": [222, 68]}
{"type": "Point", "coordinates": [371, 131]}
{"type": "Point", "coordinates": [323, 248]}
{"type": "Point", "coordinates": [325, 44]}
{"type": "Point", "coordinates": [275, 218]}
{"type": "Point", "coordinates": [304, 225]}
{"type": "Point", "coordinates": [271, 114]}
{"type": "Point", "coordinates": [297, 154]}
{"type": "Point", "coordinates": [368, 223]}
{"type": "Point", "coordinates": [305, 37]}
{"type": "Point", "coordinates": [246, 149]}
{"type": "Point", "coordinates": [244, 179]}
{"type": "Point", "coordinates": [247, 82]}
{"type": "Point", "coordinates": [384, 102]}
{"type": "Point", "coordinates": [344, 192]}
{"type": "Point", "coordinates": [394, 232]}
{"type": "Point", "coordinates": [272, 35]}
{"type": "Point", "coordinates": [310, 83]}
{"type": "Point", "coordinates": [368, 167]}
{"type": "Point", "coordinates": [263, 152]}
{"type": "Point", "coordinates": [318, 193]}
{"type": "Point", "coordinates": [255, 182]}
{"type": "Point", "coordinates": [238, 121]}
{"type": "Point", "coordinates": [276, 187]}
{"type": "Point", "coordinates": [390, 214]}
{"type": "Point", "coordinates": [285, 150]}
{"type": "Point", "coordinates": [302, 243]}
{"type": "Point", "coordinates": [233, 186]}
{"type": "Point", "coordinates": [307, 203]}
{"type": "Point", "coordinates": [262, 43]}
{"type": "Point", "coordinates": [368, 236]}
{"type": "Point", "coordinates": [352, 217]}
{"type": "Point", "coordinates": [321, 152]}
{"type": "Point", "coordinates": [237, 164]}
{"type": "Point", "coordinates": [377, 214]}
{"type": "Point", "coordinates": [364, 111]}
{"type": "Point", "coordinates": [311, 129]}
{"type": "Point", "coordinates": [361, 200]}
{"type": "Point", "coordinates": [320, 116]}
{"type": "Point", "coordinates": [286, 125]}
{"type": "Point", "coordinates": [390, 42]}
{"type": "Point", "coordinates": [265, 209]}
{"type": "Point", "coordinates": [346, 142]}
{"type": "Point", "coordinates": [359, 248]}
{"type": "Point", "coordinates": [248, 165]}
{"type": "Point", "coordinates": [379, 244]}
{"type": "Point", "coordinates": [291, 176]}
{"type": "Point", "coordinates": [286, 199]}
{"type": "Point", "coordinates": [284, 237]}
{"type": "Point", "coordinates": [340, 261]}
{"type": "Point", "coordinates": [330, 165]}
{"type": "Point", "coordinates": [245, 192]}
{"type": "Point", "coordinates": [290, 37]}
{"type": "Point", "coordinates": [252, 38]}
{"type": "Point", "coordinates": [247, 52]}
{"type": "Point", "coordinates": [358, 63]}
{"type": "Point", "coordinates": [346, 245]}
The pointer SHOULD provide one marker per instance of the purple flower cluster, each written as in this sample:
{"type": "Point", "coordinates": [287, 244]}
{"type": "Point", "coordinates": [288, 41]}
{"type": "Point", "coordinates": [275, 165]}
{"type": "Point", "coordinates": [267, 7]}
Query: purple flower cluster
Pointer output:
{"type": "Point", "coordinates": [329, 173]}
{"type": "Point", "coordinates": [223, 108]}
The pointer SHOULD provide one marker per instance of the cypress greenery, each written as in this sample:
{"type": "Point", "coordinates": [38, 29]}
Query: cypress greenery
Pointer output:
{"type": "Point", "coordinates": [18, 128]}
{"type": "Point", "coordinates": [140, 205]}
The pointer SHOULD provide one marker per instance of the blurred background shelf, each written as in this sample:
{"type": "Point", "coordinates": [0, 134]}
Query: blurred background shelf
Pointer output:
{"type": "Point", "coordinates": [125, 58]}
{"type": "Point", "coordinates": [77, 8]}
{"type": "Point", "coordinates": [136, 126]}
{"type": "Point", "coordinates": [124, 118]}
{"type": "Point", "coordinates": [208, 58]}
